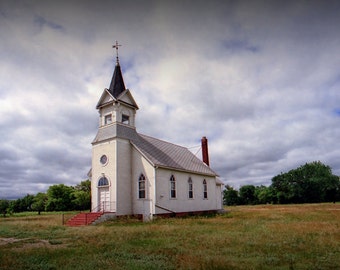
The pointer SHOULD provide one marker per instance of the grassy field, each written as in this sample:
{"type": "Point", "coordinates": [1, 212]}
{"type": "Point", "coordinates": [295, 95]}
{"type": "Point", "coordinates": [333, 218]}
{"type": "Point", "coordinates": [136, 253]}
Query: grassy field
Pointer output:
{"type": "Point", "coordinates": [246, 237]}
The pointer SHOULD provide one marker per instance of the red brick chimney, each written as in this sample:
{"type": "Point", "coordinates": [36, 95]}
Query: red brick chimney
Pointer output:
{"type": "Point", "coordinates": [205, 153]}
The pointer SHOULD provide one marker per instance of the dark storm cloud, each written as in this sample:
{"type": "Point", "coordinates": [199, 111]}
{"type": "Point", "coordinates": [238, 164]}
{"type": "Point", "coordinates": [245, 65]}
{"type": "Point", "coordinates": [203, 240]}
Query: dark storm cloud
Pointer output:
{"type": "Point", "coordinates": [42, 22]}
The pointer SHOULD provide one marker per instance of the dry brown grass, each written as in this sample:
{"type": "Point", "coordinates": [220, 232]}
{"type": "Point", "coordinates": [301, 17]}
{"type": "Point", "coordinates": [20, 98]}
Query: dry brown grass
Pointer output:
{"type": "Point", "coordinates": [247, 237]}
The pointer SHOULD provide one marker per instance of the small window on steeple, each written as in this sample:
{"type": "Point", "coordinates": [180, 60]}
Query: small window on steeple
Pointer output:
{"type": "Point", "coordinates": [108, 119]}
{"type": "Point", "coordinates": [125, 119]}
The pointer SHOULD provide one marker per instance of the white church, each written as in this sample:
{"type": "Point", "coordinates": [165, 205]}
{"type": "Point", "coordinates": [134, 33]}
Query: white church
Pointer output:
{"type": "Point", "coordinates": [135, 174]}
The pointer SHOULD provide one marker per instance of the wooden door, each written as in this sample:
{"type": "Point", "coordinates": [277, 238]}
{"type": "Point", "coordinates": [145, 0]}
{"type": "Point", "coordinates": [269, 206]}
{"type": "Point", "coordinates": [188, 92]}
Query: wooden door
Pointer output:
{"type": "Point", "coordinates": [104, 199]}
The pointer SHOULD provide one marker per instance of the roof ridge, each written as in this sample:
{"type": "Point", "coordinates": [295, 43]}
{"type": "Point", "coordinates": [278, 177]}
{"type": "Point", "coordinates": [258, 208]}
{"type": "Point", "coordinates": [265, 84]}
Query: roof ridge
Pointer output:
{"type": "Point", "coordinates": [184, 163]}
{"type": "Point", "coordinates": [143, 135]}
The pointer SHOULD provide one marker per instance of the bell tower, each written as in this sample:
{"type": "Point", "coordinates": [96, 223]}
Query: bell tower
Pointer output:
{"type": "Point", "coordinates": [117, 104]}
{"type": "Point", "coordinates": [111, 150]}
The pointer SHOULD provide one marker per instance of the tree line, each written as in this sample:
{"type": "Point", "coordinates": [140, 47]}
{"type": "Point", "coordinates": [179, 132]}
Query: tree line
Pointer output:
{"type": "Point", "coordinates": [311, 183]}
{"type": "Point", "coordinates": [57, 198]}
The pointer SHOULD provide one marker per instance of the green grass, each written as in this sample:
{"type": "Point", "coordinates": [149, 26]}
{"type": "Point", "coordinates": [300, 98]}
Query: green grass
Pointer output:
{"type": "Point", "coordinates": [247, 237]}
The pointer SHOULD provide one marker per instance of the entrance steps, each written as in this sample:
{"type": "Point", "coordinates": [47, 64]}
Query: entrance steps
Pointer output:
{"type": "Point", "coordinates": [83, 219]}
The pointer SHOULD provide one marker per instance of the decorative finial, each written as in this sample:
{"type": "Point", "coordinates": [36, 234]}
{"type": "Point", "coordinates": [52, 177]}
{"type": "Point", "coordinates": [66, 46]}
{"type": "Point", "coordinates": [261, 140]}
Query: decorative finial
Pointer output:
{"type": "Point", "coordinates": [116, 47]}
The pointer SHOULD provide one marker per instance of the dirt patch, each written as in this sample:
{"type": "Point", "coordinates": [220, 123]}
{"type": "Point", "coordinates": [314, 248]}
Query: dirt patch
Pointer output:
{"type": "Point", "coordinates": [6, 241]}
{"type": "Point", "coordinates": [27, 243]}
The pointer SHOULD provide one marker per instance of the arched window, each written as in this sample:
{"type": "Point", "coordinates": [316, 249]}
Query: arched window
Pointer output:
{"type": "Point", "coordinates": [205, 189]}
{"type": "Point", "coordinates": [141, 187]}
{"type": "Point", "coordinates": [103, 182]}
{"type": "Point", "coordinates": [190, 188]}
{"type": "Point", "coordinates": [172, 187]}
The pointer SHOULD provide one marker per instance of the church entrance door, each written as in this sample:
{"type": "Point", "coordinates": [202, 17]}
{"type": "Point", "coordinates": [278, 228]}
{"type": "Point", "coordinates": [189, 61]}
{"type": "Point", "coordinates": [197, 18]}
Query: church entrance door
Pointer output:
{"type": "Point", "coordinates": [104, 199]}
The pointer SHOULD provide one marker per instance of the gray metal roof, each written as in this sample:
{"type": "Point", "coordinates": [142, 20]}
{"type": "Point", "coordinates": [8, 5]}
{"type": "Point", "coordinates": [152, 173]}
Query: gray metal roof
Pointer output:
{"type": "Point", "coordinates": [160, 153]}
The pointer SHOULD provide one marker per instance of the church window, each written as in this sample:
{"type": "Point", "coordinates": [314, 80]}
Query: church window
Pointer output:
{"type": "Point", "coordinates": [103, 159]}
{"type": "Point", "coordinates": [190, 187]}
{"type": "Point", "coordinates": [125, 119]}
{"type": "Point", "coordinates": [141, 187]}
{"type": "Point", "coordinates": [103, 182]}
{"type": "Point", "coordinates": [108, 119]}
{"type": "Point", "coordinates": [172, 187]}
{"type": "Point", "coordinates": [205, 189]}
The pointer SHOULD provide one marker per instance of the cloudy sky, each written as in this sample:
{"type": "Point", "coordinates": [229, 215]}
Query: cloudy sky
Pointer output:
{"type": "Point", "coordinates": [260, 79]}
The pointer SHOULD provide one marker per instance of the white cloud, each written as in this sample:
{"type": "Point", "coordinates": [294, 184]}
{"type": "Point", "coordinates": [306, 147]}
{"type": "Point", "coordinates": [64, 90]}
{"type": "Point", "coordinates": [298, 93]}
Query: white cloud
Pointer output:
{"type": "Point", "coordinates": [260, 80]}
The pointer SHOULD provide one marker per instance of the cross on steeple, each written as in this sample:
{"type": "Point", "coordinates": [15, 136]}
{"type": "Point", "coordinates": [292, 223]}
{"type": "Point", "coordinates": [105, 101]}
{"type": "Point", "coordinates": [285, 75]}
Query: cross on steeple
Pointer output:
{"type": "Point", "coordinates": [116, 47]}
{"type": "Point", "coordinates": [117, 85]}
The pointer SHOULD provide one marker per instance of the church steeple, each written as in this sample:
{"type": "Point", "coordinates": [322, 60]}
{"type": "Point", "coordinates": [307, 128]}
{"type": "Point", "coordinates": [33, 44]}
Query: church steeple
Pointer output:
{"type": "Point", "coordinates": [117, 85]}
{"type": "Point", "coordinates": [116, 104]}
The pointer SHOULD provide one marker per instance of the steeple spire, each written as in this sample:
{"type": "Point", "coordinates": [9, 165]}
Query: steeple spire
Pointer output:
{"type": "Point", "coordinates": [117, 85]}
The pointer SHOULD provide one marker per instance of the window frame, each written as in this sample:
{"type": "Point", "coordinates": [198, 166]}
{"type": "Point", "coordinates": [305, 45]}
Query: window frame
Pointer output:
{"type": "Point", "coordinates": [102, 183]}
{"type": "Point", "coordinates": [190, 188]}
{"type": "Point", "coordinates": [141, 187]}
{"type": "Point", "coordinates": [205, 189]}
{"type": "Point", "coordinates": [173, 187]}
{"type": "Point", "coordinates": [108, 119]}
{"type": "Point", "coordinates": [125, 119]}
{"type": "Point", "coordinates": [104, 160]}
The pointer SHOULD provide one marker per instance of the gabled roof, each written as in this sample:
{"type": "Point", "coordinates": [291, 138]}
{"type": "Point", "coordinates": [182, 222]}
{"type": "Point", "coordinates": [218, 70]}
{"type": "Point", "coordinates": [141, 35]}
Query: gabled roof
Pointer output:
{"type": "Point", "coordinates": [117, 91]}
{"type": "Point", "coordinates": [105, 98]}
{"type": "Point", "coordinates": [124, 97]}
{"type": "Point", "coordinates": [159, 153]}
{"type": "Point", "coordinates": [117, 85]}
{"type": "Point", "coordinates": [169, 155]}
{"type": "Point", "coordinates": [127, 98]}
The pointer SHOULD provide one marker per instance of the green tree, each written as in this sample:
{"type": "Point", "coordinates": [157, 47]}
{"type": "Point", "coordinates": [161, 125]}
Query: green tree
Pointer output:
{"type": "Point", "coordinates": [39, 202]}
{"type": "Point", "coordinates": [264, 194]}
{"type": "Point", "coordinates": [82, 200]}
{"type": "Point", "coordinates": [22, 204]}
{"type": "Point", "coordinates": [310, 183]}
{"type": "Point", "coordinates": [230, 196]}
{"type": "Point", "coordinates": [84, 186]}
{"type": "Point", "coordinates": [247, 194]}
{"type": "Point", "coordinates": [331, 189]}
{"type": "Point", "coordinates": [282, 187]}
{"type": "Point", "coordinates": [4, 204]}
{"type": "Point", "coordinates": [82, 195]}
{"type": "Point", "coordinates": [60, 198]}
{"type": "Point", "coordinates": [15, 206]}
{"type": "Point", "coordinates": [27, 201]}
